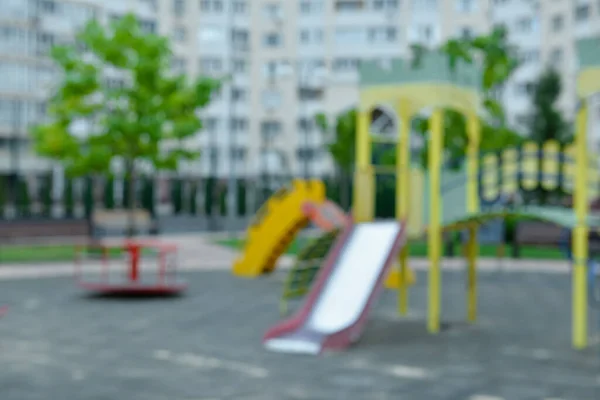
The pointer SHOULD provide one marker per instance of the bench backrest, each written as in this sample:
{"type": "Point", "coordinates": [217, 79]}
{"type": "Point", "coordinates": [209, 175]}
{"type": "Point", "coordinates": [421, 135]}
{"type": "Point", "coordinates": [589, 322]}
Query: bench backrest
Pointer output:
{"type": "Point", "coordinates": [117, 221]}
{"type": "Point", "coordinates": [27, 230]}
{"type": "Point", "coordinates": [538, 233]}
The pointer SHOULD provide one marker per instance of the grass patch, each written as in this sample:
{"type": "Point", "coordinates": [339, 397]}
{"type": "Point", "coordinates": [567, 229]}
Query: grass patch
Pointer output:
{"type": "Point", "coordinates": [43, 253]}
{"type": "Point", "coordinates": [419, 249]}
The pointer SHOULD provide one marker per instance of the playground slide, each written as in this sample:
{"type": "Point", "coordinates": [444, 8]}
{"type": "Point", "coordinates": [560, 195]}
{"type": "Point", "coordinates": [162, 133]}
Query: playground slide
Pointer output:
{"type": "Point", "coordinates": [336, 308]}
{"type": "Point", "coordinates": [275, 226]}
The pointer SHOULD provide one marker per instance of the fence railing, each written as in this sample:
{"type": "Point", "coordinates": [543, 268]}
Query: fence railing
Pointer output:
{"type": "Point", "coordinates": [44, 196]}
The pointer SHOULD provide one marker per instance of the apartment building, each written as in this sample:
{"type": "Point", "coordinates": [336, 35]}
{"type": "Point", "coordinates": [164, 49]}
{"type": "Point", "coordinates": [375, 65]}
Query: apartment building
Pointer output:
{"type": "Point", "coordinates": [289, 60]}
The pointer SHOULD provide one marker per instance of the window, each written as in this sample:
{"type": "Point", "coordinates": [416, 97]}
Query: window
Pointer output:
{"type": "Point", "coordinates": [311, 7]}
{"type": "Point", "coordinates": [148, 26]}
{"type": "Point", "coordinates": [349, 35]}
{"type": "Point", "coordinates": [556, 56]}
{"type": "Point", "coordinates": [240, 39]}
{"type": "Point", "coordinates": [306, 124]}
{"type": "Point", "coordinates": [582, 12]}
{"type": "Point", "coordinates": [240, 7]}
{"type": "Point", "coordinates": [270, 129]}
{"type": "Point", "coordinates": [349, 5]}
{"type": "Point", "coordinates": [239, 124]}
{"type": "Point", "coordinates": [424, 4]}
{"type": "Point", "coordinates": [211, 6]}
{"type": "Point", "coordinates": [151, 4]}
{"type": "Point", "coordinates": [466, 32]}
{"type": "Point", "coordinates": [424, 33]}
{"type": "Point", "coordinates": [178, 64]}
{"type": "Point", "coordinates": [465, 6]}
{"type": "Point", "coordinates": [238, 153]}
{"type": "Point", "coordinates": [238, 94]}
{"type": "Point", "coordinates": [273, 11]}
{"type": "Point", "coordinates": [271, 99]}
{"type": "Point", "coordinates": [270, 69]}
{"type": "Point", "coordinates": [558, 23]}
{"type": "Point", "coordinates": [178, 7]}
{"type": "Point", "coordinates": [307, 94]}
{"type": "Point", "coordinates": [211, 65]}
{"type": "Point", "coordinates": [306, 153]}
{"type": "Point", "coordinates": [382, 34]}
{"type": "Point", "coordinates": [525, 24]}
{"type": "Point", "coordinates": [345, 64]}
{"type": "Point", "coordinates": [179, 34]}
{"type": "Point", "coordinates": [48, 6]}
{"type": "Point", "coordinates": [311, 36]}
{"type": "Point", "coordinates": [240, 66]}
{"type": "Point", "coordinates": [272, 39]}
{"type": "Point", "coordinates": [210, 34]}
{"type": "Point", "coordinates": [210, 124]}
{"type": "Point", "coordinates": [524, 89]}
{"type": "Point", "coordinates": [530, 56]}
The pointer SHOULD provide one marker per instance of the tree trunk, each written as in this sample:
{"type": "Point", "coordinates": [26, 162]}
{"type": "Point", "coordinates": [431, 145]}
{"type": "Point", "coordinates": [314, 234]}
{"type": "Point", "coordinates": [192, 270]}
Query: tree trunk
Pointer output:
{"type": "Point", "coordinates": [130, 175]}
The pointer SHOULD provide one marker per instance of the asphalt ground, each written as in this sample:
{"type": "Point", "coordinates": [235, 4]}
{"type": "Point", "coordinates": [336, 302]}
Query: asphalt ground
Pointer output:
{"type": "Point", "coordinates": [58, 344]}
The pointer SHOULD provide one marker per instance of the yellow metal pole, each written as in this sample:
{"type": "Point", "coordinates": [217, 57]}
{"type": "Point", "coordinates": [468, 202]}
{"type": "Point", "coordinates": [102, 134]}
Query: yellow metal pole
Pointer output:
{"type": "Point", "coordinates": [580, 233]}
{"type": "Point", "coordinates": [364, 190]}
{"type": "Point", "coordinates": [403, 195]}
{"type": "Point", "coordinates": [435, 226]}
{"type": "Point", "coordinates": [474, 134]}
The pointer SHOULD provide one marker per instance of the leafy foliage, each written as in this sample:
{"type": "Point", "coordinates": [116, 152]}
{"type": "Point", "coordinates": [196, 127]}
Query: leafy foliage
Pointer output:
{"type": "Point", "coordinates": [145, 119]}
{"type": "Point", "coordinates": [499, 60]}
{"type": "Point", "coordinates": [546, 121]}
{"type": "Point", "coordinates": [342, 140]}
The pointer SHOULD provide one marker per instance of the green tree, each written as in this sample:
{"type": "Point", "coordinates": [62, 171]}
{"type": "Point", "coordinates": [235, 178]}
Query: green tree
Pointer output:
{"type": "Point", "coordinates": [546, 121]}
{"type": "Point", "coordinates": [341, 139]}
{"type": "Point", "coordinates": [146, 117]}
{"type": "Point", "coordinates": [499, 59]}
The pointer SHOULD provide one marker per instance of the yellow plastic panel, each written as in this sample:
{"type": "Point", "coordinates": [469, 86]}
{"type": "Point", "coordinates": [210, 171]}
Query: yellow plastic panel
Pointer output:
{"type": "Point", "coordinates": [530, 166]}
{"type": "Point", "coordinates": [510, 169]}
{"type": "Point", "coordinates": [281, 219]}
{"type": "Point", "coordinates": [550, 165]}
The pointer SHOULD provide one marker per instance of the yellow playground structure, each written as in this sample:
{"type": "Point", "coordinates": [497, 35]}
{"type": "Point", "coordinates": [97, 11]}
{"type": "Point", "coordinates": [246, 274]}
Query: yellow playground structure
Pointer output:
{"type": "Point", "coordinates": [275, 225]}
{"type": "Point", "coordinates": [435, 200]}
{"type": "Point", "coordinates": [457, 204]}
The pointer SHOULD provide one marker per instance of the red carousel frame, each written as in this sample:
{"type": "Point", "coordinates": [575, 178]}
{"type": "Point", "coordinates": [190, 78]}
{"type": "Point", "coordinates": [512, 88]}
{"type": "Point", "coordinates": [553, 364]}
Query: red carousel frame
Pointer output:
{"type": "Point", "coordinates": [132, 285]}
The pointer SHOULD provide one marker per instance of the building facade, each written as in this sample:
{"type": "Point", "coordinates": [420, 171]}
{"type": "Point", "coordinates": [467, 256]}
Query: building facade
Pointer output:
{"type": "Point", "coordinates": [289, 60]}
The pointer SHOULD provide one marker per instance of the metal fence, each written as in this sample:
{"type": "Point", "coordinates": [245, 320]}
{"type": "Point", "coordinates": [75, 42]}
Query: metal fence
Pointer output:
{"type": "Point", "coordinates": [177, 203]}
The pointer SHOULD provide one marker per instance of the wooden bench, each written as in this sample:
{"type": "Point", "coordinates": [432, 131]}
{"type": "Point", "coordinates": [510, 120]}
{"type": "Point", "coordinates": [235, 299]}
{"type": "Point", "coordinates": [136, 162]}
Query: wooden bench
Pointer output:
{"type": "Point", "coordinates": [545, 234]}
{"type": "Point", "coordinates": [32, 230]}
{"type": "Point", "coordinates": [116, 222]}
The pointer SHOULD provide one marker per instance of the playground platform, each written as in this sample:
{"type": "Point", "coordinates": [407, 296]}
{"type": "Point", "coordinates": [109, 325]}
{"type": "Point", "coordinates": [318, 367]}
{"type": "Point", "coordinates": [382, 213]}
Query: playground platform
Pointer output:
{"type": "Point", "coordinates": [56, 344]}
